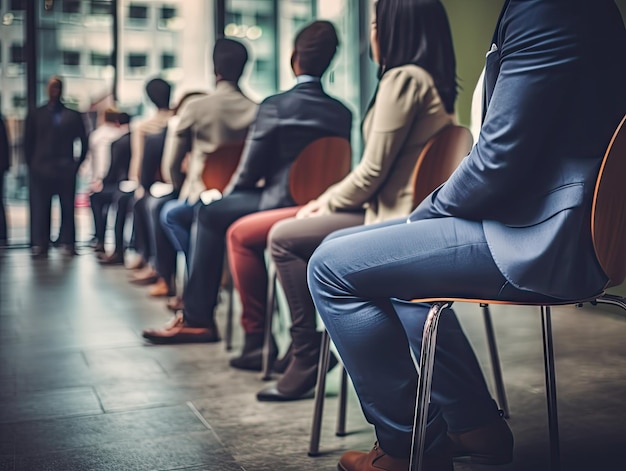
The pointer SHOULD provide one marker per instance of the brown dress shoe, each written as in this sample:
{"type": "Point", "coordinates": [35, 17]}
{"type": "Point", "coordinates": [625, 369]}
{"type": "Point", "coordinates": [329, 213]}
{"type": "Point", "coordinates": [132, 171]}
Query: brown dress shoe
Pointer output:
{"type": "Point", "coordinates": [491, 444]}
{"type": "Point", "coordinates": [159, 289]}
{"type": "Point", "coordinates": [378, 460]}
{"type": "Point", "coordinates": [176, 331]}
{"type": "Point", "coordinates": [145, 276]}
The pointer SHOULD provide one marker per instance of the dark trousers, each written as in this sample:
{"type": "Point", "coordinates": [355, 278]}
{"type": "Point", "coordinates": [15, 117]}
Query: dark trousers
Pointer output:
{"type": "Point", "coordinates": [164, 251]}
{"type": "Point", "coordinates": [3, 216]}
{"type": "Point", "coordinates": [123, 202]}
{"type": "Point", "coordinates": [42, 189]}
{"type": "Point", "coordinates": [100, 203]}
{"type": "Point", "coordinates": [207, 254]}
{"type": "Point", "coordinates": [141, 230]}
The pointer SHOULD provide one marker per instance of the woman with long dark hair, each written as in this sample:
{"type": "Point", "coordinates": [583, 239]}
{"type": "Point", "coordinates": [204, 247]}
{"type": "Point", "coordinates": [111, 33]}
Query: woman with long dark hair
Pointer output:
{"type": "Point", "coordinates": [414, 100]}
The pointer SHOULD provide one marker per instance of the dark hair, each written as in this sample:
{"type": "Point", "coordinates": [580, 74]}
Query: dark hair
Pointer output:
{"type": "Point", "coordinates": [315, 46]}
{"type": "Point", "coordinates": [158, 90]}
{"type": "Point", "coordinates": [417, 32]}
{"type": "Point", "coordinates": [229, 59]}
{"type": "Point", "coordinates": [123, 118]}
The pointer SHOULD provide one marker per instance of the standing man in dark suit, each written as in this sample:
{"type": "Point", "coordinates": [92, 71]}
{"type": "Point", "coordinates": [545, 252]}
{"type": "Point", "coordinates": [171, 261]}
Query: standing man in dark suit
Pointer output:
{"type": "Point", "coordinates": [50, 133]}
{"type": "Point", "coordinates": [5, 162]}
{"type": "Point", "coordinates": [285, 124]}
{"type": "Point", "coordinates": [120, 150]}
{"type": "Point", "coordinates": [511, 223]}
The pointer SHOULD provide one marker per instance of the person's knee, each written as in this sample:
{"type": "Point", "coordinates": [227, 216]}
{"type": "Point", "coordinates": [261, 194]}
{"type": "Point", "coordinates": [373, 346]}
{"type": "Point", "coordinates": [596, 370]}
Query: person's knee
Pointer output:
{"type": "Point", "coordinates": [280, 241]}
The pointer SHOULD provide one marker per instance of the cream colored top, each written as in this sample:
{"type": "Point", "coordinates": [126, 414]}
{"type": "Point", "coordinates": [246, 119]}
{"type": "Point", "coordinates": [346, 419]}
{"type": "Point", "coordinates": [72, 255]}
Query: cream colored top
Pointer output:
{"type": "Point", "coordinates": [407, 112]}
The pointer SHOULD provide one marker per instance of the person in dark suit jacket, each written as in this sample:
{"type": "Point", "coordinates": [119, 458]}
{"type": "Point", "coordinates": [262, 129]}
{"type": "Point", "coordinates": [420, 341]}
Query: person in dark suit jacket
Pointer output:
{"type": "Point", "coordinates": [118, 171]}
{"type": "Point", "coordinates": [5, 162]}
{"type": "Point", "coordinates": [49, 137]}
{"type": "Point", "coordinates": [511, 223]}
{"type": "Point", "coordinates": [285, 124]}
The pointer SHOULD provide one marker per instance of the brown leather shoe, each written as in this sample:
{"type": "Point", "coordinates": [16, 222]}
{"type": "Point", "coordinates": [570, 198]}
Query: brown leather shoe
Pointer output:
{"type": "Point", "coordinates": [159, 289]}
{"type": "Point", "coordinates": [145, 276]}
{"type": "Point", "coordinates": [378, 460]}
{"type": "Point", "coordinates": [491, 444]}
{"type": "Point", "coordinates": [176, 331]}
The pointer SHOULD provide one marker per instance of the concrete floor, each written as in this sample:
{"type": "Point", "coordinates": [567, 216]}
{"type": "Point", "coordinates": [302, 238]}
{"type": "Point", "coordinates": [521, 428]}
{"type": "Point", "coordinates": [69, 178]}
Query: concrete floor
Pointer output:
{"type": "Point", "coordinates": [80, 390]}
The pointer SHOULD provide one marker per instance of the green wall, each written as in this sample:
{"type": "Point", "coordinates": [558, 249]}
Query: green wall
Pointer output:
{"type": "Point", "coordinates": [472, 24]}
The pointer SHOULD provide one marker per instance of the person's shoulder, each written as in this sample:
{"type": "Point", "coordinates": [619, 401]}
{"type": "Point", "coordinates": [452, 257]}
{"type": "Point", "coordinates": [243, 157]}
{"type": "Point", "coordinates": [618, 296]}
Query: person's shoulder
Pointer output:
{"type": "Point", "coordinates": [407, 73]}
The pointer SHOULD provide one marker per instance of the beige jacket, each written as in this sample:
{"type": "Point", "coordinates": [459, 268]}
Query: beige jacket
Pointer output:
{"type": "Point", "coordinates": [407, 112]}
{"type": "Point", "coordinates": [207, 123]}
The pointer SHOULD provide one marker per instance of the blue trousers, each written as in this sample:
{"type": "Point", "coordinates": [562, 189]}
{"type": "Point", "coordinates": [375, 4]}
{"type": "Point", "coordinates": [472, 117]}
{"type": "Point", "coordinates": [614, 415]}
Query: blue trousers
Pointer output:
{"type": "Point", "coordinates": [362, 279]}
{"type": "Point", "coordinates": [177, 217]}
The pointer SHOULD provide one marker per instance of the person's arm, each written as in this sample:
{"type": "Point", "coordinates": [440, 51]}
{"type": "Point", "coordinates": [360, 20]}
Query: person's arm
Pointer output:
{"type": "Point", "coordinates": [137, 138]}
{"type": "Point", "coordinates": [181, 146]}
{"type": "Point", "coordinates": [260, 146]}
{"type": "Point", "coordinates": [81, 133]}
{"type": "Point", "coordinates": [399, 99]}
{"type": "Point", "coordinates": [526, 102]}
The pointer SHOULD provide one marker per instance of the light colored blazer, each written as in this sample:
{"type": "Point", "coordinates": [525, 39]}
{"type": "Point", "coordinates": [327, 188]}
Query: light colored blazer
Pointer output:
{"type": "Point", "coordinates": [206, 123]}
{"type": "Point", "coordinates": [555, 94]}
{"type": "Point", "coordinates": [406, 113]}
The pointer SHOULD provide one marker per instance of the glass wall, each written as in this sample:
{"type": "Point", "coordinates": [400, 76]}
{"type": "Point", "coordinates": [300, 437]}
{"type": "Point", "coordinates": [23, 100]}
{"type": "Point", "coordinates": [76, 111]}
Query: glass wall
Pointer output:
{"type": "Point", "coordinates": [13, 104]}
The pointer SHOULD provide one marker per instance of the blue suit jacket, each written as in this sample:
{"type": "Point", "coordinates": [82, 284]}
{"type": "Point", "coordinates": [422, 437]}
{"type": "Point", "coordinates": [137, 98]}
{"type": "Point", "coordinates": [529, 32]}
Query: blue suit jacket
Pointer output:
{"type": "Point", "coordinates": [285, 124]}
{"type": "Point", "coordinates": [554, 90]}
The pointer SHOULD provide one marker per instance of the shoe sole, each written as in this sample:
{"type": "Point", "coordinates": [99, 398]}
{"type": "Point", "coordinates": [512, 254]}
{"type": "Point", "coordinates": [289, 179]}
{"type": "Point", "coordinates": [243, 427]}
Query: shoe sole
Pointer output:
{"type": "Point", "coordinates": [180, 339]}
{"type": "Point", "coordinates": [272, 398]}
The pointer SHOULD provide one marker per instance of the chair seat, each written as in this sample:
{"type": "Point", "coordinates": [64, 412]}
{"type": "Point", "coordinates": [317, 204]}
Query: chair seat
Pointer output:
{"type": "Point", "coordinates": [538, 302]}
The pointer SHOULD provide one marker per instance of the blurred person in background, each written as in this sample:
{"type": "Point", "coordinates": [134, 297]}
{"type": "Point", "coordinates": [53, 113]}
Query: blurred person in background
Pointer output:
{"type": "Point", "coordinates": [49, 137]}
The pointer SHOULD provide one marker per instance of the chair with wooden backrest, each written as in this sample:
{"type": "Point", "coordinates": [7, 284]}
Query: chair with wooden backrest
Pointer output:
{"type": "Point", "coordinates": [220, 165]}
{"type": "Point", "coordinates": [608, 229]}
{"type": "Point", "coordinates": [436, 162]}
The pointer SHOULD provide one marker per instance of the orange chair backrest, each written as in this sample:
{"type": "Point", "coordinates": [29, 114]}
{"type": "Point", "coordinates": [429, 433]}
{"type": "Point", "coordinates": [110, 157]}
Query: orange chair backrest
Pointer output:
{"type": "Point", "coordinates": [608, 214]}
{"type": "Point", "coordinates": [321, 164]}
{"type": "Point", "coordinates": [220, 166]}
{"type": "Point", "coordinates": [439, 158]}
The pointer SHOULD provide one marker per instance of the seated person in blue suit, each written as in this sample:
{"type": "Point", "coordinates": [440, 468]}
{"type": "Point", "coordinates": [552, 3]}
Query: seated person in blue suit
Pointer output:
{"type": "Point", "coordinates": [285, 124]}
{"type": "Point", "coordinates": [511, 223]}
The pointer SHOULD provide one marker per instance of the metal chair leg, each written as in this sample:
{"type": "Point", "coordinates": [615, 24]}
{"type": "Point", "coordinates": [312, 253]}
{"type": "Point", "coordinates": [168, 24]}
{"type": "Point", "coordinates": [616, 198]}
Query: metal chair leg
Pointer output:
{"type": "Point", "coordinates": [343, 402]}
{"type": "Point", "coordinates": [553, 419]}
{"type": "Point", "coordinates": [425, 369]}
{"type": "Point", "coordinates": [495, 362]}
{"type": "Point", "coordinates": [229, 316]}
{"type": "Point", "coordinates": [613, 300]}
{"type": "Point", "coordinates": [269, 318]}
{"type": "Point", "coordinates": [320, 391]}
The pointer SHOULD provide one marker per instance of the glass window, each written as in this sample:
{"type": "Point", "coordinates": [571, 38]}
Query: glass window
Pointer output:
{"type": "Point", "coordinates": [101, 7]}
{"type": "Point", "coordinates": [71, 6]}
{"type": "Point", "coordinates": [17, 54]}
{"type": "Point", "coordinates": [71, 58]}
{"type": "Point", "coordinates": [168, 61]}
{"type": "Point", "coordinates": [18, 101]}
{"type": "Point", "coordinates": [136, 63]}
{"type": "Point", "coordinates": [100, 59]}
{"type": "Point", "coordinates": [168, 12]}
{"type": "Point", "coordinates": [138, 13]}
{"type": "Point", "coordinates": [254, 23]}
